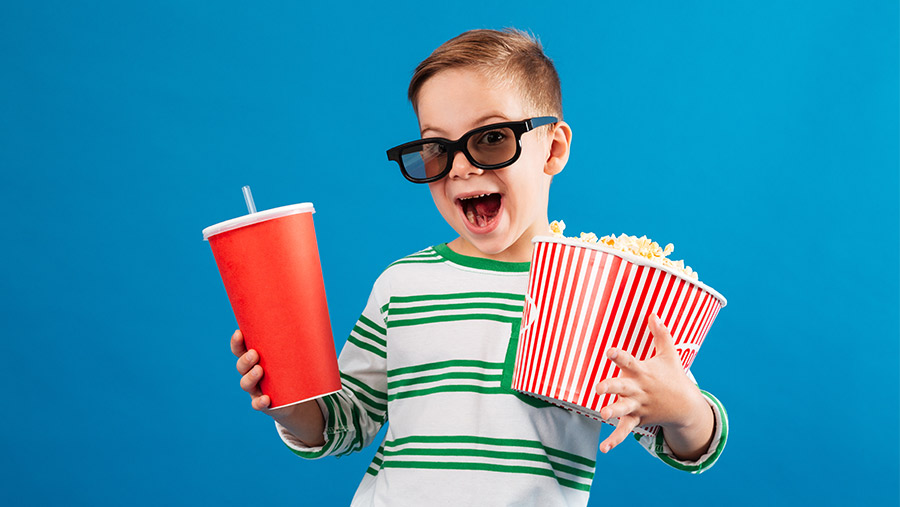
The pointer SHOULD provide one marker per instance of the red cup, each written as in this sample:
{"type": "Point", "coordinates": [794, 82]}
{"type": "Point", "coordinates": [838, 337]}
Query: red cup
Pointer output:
{"type": "Point", "coordinates": [584, 298]}
{"type": "Point", "coordinates": [269, 263]}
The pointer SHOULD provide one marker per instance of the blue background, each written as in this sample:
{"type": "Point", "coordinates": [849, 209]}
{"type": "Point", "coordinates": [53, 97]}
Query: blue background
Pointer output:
{"type": "Point", "coordinates": [759, 137]}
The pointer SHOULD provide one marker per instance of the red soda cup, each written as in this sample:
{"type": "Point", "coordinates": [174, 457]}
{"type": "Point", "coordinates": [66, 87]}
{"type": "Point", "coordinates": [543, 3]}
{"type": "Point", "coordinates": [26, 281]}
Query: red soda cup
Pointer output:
{"type": "Point", "coordinates": [269, 263]}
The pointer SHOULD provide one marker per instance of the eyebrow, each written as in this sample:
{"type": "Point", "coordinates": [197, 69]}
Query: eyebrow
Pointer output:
{"type": "Point", "coordinates": [480, 122]}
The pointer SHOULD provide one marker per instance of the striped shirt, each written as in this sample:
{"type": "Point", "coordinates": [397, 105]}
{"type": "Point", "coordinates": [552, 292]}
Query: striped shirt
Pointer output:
{"type": "Point", "coordinates": [433, 351]}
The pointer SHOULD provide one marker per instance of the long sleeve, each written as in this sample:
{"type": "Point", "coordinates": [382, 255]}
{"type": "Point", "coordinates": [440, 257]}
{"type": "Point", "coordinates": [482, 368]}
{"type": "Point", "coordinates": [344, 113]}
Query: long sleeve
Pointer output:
{"type": "Point", "coordinates": [354, 415]}
{"type": "Point", "coordinates": [657, 446]}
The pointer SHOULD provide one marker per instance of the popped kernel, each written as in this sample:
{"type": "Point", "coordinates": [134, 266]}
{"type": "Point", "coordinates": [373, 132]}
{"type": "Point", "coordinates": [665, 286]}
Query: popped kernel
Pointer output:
{"type": "Point", "coordinates": [557, 228]}
{"type": "Point", "coordinates": [590, 237]}
{"type": "Point", "coordinates": [642, 247]}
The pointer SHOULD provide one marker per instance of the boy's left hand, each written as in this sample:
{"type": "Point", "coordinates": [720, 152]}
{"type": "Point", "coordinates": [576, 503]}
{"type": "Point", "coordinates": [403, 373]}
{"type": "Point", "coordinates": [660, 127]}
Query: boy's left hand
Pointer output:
{"type": "Point", "coordinates": [653, 391]}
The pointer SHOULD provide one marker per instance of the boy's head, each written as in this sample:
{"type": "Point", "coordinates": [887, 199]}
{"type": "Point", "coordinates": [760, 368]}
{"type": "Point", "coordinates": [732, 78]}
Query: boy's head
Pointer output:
{"type": "Point", "coordinates": [509, 56]}
{"type": "Point", "coordinates": [462, 94]}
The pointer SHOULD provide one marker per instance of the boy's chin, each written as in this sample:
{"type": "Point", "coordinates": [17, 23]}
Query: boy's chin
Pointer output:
{"type": "Point", "coordinates": [496, 245]}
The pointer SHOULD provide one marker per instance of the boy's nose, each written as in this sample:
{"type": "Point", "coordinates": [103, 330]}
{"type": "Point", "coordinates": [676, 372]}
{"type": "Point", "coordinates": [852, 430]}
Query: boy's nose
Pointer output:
{"type": "Point", "coordinates": [462, 168]}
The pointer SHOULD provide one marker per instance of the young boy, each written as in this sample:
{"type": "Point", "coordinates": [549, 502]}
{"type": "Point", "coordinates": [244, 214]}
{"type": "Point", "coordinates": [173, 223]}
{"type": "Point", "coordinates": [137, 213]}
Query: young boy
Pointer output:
{"type": "Point", "coordinates": [434, 346]}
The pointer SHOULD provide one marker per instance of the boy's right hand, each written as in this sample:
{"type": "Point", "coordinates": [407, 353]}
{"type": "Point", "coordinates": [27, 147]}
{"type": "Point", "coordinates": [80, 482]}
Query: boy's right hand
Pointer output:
{"type": "Point", "coordinates": [251, 373]}
{"type": "Point", "coordinates": [303, 420]}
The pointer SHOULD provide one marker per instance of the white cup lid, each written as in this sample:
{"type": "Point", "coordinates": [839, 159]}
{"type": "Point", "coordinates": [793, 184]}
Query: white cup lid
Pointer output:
{"type": "Point", "coordinates": [253, 218]}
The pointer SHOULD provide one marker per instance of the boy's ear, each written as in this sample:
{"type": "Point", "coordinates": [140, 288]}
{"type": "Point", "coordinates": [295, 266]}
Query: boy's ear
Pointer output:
{"type": "Point", "coordinates": [559, 149]}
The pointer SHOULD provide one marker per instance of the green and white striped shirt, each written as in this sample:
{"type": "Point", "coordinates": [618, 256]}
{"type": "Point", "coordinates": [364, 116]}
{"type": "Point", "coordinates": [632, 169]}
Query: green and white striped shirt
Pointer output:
{"type": "Point", "coordinates": [433, 352]}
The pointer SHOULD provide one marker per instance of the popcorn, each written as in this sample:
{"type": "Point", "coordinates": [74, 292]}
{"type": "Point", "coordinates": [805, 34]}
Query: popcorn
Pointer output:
{"type": "Point", "coordinates": [642, 247]}
{"type": "Point", "coordinates": [557, 228]}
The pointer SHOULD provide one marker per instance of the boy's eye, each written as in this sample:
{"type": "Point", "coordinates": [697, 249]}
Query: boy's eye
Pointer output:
{"type": "Point", "coordinates": [492, 137]}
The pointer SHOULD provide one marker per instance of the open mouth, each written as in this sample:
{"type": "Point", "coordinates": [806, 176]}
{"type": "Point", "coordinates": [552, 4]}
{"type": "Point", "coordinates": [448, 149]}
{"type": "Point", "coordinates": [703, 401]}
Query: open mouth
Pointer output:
{"type": "Point", "coordinates": [480, 210]}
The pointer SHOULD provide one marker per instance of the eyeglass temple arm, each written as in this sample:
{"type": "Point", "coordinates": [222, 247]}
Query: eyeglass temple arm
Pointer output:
{"type": "Point", "coordinates": [534, 123]}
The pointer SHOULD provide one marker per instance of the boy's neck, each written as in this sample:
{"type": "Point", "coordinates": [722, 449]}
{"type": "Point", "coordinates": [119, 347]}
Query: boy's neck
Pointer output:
{"type": "Point", "coordinates": [520, 251]}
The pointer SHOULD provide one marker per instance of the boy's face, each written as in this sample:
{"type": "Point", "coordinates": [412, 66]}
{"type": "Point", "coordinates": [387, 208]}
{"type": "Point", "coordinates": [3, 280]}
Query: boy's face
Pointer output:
{"type": "Point", "coordinates": [501, 225]}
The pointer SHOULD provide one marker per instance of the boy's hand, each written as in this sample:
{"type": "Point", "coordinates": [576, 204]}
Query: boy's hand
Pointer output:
{"type": "Point", "coordinates": [251, 373]}
{"type": "Point", "coordinates": [654, 391]}
{"type": "Point", "coordinates": [303, 420]}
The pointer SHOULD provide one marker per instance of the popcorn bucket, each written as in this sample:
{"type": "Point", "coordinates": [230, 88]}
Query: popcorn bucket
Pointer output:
{"type": "Point", "coordinates": [584, 298]}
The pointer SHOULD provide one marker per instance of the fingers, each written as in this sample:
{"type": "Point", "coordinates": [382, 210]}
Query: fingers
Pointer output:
{"type": "Point", "coordinates": [237, 343]}
{"type": "Point", "coordinates": [251, 372]}
{"type": "Point", "coordinates": [250, 380]}
{"type": "Point", "coordinates": [626, 424]}
{"type": "Point", "coordinates": [618, 385]}
{"type": "Point", "coordinates": [662, 339]}
{"type": "Point", "coordinates": [620, 408]}
{"type": "Point", "coordinates": [250, 383]}
{"type": "Point", "coordinates": [247, 361]}
{"type": "Point", "coordinates": [623, 359]}
{"type": "Point", "coordinates": [261, 402]}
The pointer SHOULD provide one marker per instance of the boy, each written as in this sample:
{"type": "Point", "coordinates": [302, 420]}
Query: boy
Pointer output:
{"type": "Point", "coordinates": [433, 348]}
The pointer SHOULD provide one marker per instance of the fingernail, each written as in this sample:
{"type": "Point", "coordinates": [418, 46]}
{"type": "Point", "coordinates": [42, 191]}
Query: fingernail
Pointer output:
{"type": "Point", "coordinates": [613, 353]}
{"type": "Point", "coordinates": [255, 372]}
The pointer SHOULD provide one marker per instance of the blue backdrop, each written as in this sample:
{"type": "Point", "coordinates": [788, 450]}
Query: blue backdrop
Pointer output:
{"type": "Point", "coordinates": [759, 137]}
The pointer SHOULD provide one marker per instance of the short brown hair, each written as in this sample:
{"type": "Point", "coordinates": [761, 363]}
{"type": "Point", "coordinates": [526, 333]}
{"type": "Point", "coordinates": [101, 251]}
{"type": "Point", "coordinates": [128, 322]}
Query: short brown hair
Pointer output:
{"type": "Point", "coordinates": [509, 55]}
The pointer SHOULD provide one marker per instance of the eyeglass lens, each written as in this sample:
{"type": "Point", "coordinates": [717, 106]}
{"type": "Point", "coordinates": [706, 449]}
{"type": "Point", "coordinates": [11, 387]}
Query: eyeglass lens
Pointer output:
{"type": "Point", "coordinates": [489, 147]}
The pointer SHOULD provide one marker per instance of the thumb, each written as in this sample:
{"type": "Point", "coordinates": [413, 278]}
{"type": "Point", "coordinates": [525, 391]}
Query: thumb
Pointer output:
{"type": "Point", "coordinates": [662, 339]}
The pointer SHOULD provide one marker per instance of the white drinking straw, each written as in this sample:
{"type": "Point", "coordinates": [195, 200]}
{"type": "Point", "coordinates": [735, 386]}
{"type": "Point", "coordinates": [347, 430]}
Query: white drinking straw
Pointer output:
{"type": "Point", "coordinates": [248, 198]}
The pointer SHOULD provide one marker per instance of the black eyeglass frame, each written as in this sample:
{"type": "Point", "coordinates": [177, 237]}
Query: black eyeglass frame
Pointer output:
{"type": "Point", "coordinates": [517, 127]}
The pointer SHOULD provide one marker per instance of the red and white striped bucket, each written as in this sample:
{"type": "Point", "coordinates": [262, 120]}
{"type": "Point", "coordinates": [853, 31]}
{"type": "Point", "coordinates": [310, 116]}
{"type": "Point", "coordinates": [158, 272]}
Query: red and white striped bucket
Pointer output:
{"type": "Point", "coordinates": [584, 298]}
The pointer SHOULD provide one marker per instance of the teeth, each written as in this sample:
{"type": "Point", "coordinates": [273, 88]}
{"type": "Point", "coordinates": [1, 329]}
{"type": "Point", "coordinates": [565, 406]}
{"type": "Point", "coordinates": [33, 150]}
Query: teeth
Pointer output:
{"type": "Point", "coordinates": [471, 216]}
{"type": "Point", "coordinates": [473, 197]}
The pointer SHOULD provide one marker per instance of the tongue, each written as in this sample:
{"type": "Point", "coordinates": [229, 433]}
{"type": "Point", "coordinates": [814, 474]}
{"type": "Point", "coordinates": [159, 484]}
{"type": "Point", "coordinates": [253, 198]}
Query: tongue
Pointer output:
{"type": "Point", "coordinates": [482, 210]}
{"type": "Point", "coordinates": [487, 206]}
